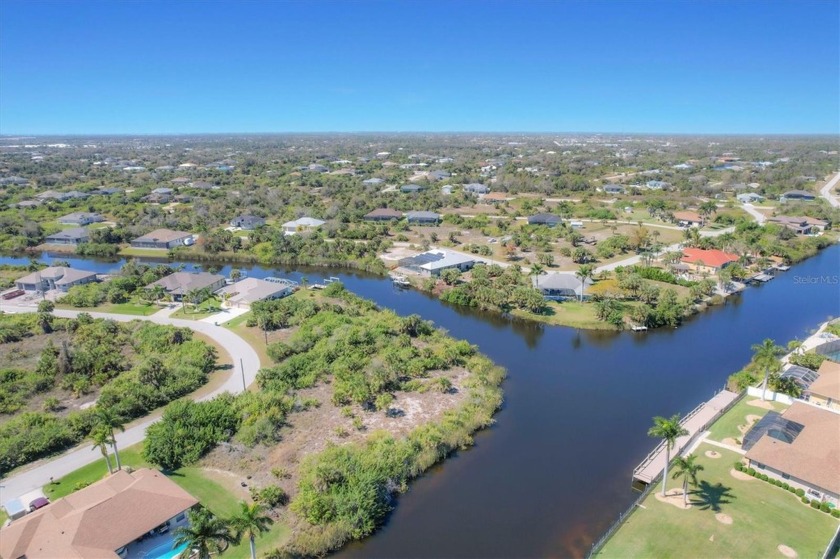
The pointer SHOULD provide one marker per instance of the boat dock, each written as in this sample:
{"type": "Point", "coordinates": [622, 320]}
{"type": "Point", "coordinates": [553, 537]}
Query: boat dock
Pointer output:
{"type": "Point", "coordinates": [325, 284]}
{"type": "Point", "coordinates": [696, 422]}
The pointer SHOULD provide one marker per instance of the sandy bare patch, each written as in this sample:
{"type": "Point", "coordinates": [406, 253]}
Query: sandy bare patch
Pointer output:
{"type": "Point", "coordinates": [758, 403]}
{"type": "Point", "coordinates": [740, 475]}
{"type": "Point", "coordinates": [752, 418]}
{"type": "Point", "coordinates": [712, 454]}
{"type": "Point", "coordinates": [673, 497]}
{"type": "Point", "coordinates": [787, 551]}
{"type": "Point", "coordinates": [731, 442]}
{"type": "Point", "coordinates": [723, 518]}
{"type": "Point", "coordinates": [229, 480]}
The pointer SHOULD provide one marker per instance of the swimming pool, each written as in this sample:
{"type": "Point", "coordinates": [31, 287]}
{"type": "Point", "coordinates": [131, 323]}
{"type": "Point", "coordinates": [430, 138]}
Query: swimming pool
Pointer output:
{"type": "Point", "coordinates": [165, 551]}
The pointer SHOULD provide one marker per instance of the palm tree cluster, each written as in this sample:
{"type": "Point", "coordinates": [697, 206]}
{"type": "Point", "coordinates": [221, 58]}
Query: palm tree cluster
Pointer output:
{"type": "Point", "coordinates": [207, 534]}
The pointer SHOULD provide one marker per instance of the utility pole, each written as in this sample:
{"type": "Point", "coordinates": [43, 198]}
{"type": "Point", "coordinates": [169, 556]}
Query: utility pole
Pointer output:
{"type": "Point", "coordinates": [242, 368]}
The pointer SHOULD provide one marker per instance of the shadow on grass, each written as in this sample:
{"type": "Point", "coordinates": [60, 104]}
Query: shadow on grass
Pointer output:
{"type": "Point", "coordinates": [711, 497]}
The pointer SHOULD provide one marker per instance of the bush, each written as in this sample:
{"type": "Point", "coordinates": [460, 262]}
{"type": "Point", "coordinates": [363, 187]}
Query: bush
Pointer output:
{"type": "Point", "coordinates": [824, 507]}
{"type": "Point", "coordinates": [800, 492]}
{"type": "Point", "coordinates": [791, 489]}
{"type": "Point", "coordinates": [786, 486]}
{"type": "Point", "coordinates": [270, 495]}
{"type": "Point", "coordinates": [739, 466]}
{"type": "Point", "coordinates": [751, 471]}
{"type": "Point", "coordinates": [815, 504]}
{"type": "Point", "coordinates": [805, 500]}
{"type": "Point", "coordinates": [835, 513]}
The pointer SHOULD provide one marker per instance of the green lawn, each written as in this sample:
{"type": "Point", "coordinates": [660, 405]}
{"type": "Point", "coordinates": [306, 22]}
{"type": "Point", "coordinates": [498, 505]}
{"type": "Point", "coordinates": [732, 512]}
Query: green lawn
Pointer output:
{"type": "Point", "coordinates": [137, 309]}
{"type": "Point", "coordinates": [131, 251]}
{"type": "Point", "coordinates": [727, 425]}
{"type": "Point", "coordinates": [197, 312]}
{"type": "Point", "coordinates": [93, 472]}
{"type": "Point", "coordinates": [763, 517]}
{"type": "Point", "coordinates": [568, 313]}
{"type": "Point", "coordinates": [3, 517]}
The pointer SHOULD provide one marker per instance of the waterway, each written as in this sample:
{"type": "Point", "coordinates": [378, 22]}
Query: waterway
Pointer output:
{"type": "Point", "coordinates": [554, 471]}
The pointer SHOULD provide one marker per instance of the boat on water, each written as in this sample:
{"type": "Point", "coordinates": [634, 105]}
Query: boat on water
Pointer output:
{"type": "Point", "coordinates": [400, 281]}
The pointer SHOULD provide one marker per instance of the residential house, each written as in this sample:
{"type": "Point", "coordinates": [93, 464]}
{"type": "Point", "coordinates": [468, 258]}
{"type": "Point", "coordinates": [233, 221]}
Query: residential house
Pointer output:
{"type": "Point", "coordinates": [796, 224]}
{"type": "Point", "coordinates": [707, 261]}
{"type": "Point", "coordinates": [163, 239]}
{"type": "Point", "coordinates": [800, 447]}
{"type": "Point", "coordinates": [373, 181]}
{"type": "Point", "coordinates": [476, 188]}
{"type": "Point", "coordinates": [27, 204]}
{"type": "Point", "coordinates": [74, 236]}
{"type": "Point", "coordinates": [560, 286]}
{"type": "Point", "coordinates": [203, 185]}
{"type": "Point", "coordinates": [614, 189]}
{"type": "Point", "coordinates": [301, 224]}
{"type": "Point", "coordinates": [317, 168]}
{"type": "Point", "coordinates": [103, 520]}
{"type": "Point", "coordinates": [438, 175]}
{"type": "Point", "coordinates": [250, 290]}
{"type": "Point", "coordinates": [17, 181]}
{"type": "Point", "coordinates": [494, 197]}
{"type": "Point", "coordinates": [550, 220]}
{"type": "Point", "coordinates": [816, 224]}
{"type": "Point", "coordinates": [178, 284]}
{"type": "Point", "coordinates": [749, 198]}
{"type": "Point", "coordinates": [657, 185]}
{"type": "Point", "coordinates": [689, 219]}
{"type": "Point", "coordinates": [797, 195]}
{"type": "Point", "coordinates": [825, 390]}
{"type": "Point", "coordinates": [76, 195]}
{"type": "Point", "coordinates": [163, 191]}
{"type": "Point", "coordinates": [59, 277]}
{"type": "Point", "coordinates": [422, 218]}
{"type": "Point", "coordinates": [411, 188]}
{"type": "Point", "coordinates": [53, 195]}
{"type": "Point", "coordinates": [180, 181]}
{"type": "Point", "coordinates": [433, 262]}
{"type": "Point", "coordinates": [80, 218]}
{"type": "Point", "coordinates": [383, 214]}
{"type": "Point", "coordinates": [248, 222]}
{"type": "Point", "coordinates": [446, 189]}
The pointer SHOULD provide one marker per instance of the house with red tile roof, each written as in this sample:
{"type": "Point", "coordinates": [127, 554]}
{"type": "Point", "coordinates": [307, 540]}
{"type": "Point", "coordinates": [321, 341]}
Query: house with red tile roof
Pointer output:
{"type": "Point", "coordinates": [701, 260]}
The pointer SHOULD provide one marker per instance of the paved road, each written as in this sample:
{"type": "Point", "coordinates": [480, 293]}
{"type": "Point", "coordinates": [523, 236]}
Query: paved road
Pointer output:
{"type": "Point", "coordinates": [825, 191]}
{"type": "Point", "coordinates": [39, 475]}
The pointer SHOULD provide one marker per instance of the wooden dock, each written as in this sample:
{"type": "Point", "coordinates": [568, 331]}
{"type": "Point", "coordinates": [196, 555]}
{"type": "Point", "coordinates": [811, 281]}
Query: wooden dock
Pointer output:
{"type": "Point", "coordinates": [697, 421]}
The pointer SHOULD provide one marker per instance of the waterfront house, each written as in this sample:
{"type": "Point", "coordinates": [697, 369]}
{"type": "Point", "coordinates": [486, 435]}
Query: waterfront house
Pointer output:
{"type": "Point", "coordinates": [550, 220]}
{"type": "Point", "coordinates": [825, 390]}
{"type": "Point", "coordinates": [178, 284]}
{"type": "Point", "coordinates": [796, 224]}
{"type": "Point", "coordinates": [689, 219]}
{"type": "Point", "coordinates": [433, 262]}
{"type": "Point", "coordinates": [816, 224]}
{"type": "Point", "coordinates": [422, 218]}
{"type": "Point", "coordinates": [103, 520]}
{"type": "Point", "coordinates": [560, 286]}
{"type": "Point", "coordinates": [54, 277]}
{"type": "Point", "coordinates": [80, 218]}
{"type": "Point", "coordinates": [250, 290]}
{"type": "Point", "coordinates": [709, 261]}
{"type": "Point", "coordinates": [163, 239]}
{"type": "Point", "coordinates": [800, 447]}
{"type": "Point", "coordinates": [797, 195]}
{"type": "Point", "coordinates": [383, 214]}
{"type": "Point", "coordinates": [247, 222]}
{"type": "Point", "coordinates": [74, 236]}
{"type": "Point", "coordinates": [302, 224]}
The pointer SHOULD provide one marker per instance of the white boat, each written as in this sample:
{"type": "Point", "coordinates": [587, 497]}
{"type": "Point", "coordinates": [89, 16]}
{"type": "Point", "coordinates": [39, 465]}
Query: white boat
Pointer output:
{"type": "Point", "coordinates": [400, 281]}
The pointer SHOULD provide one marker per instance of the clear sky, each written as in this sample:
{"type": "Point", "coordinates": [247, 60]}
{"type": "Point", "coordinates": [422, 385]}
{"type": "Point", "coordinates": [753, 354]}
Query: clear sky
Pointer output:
{"type": "Point", "coordinates": [355, 65]}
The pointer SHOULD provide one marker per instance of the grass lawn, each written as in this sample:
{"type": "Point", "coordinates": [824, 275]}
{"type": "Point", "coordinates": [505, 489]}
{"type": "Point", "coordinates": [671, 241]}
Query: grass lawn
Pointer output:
{"type": "Point", "coordinates": [3, 517]}
{"type": "Point", "coordinates": [137, 309]}
{"type": "Point", "coordinates": [253, 335]}
{"type": "Point", "coordinates": [763, 517]}
{"type": "Point", "coordinates": [131, 251]}
{"type": "Point", "coordinates": [197, 312]}
{"type": "Point", "coordinates": [727, 425]}
{"type": "Point", "coordinates": [568, 313]}
{"type": "Point", "coordinates": [93, 472]}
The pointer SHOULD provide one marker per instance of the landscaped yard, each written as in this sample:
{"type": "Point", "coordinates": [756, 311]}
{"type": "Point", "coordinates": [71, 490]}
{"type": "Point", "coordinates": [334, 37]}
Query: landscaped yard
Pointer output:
{"type": "Point", "coordinates": [728, 517]}
{"type": "Point", "coordinates": [569, 313]}
{"type": "Point", "coordinates": [196, 312]}
{"type": "Point", "coordinates": [727, 426]}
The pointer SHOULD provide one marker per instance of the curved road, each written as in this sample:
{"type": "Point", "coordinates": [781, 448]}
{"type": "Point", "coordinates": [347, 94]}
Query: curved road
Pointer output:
{"type": "Point", "coordinates": [39, 475]}
{"type": "Point", "coordinates": [825, 191]}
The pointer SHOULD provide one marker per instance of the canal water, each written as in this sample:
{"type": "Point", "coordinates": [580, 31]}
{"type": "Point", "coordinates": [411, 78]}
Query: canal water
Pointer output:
{"type": "Point", "coordinates": [554, 471]}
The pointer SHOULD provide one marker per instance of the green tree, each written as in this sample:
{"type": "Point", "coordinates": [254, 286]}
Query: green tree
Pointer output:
{"type": "Point", "coordinates": [250, 521]}
{"type": "Point", "coordinates": [106, 420]}
{"type": "Point", "coordinates": [204, 535]}
{"type": "Point", "coordinates": [101, 439]}
{"type": "Point", "coordinates": [766, 357]}
{"type": "Point", "coordinates": [584, 273]}
{"type": "Point", "coordinates": [687, 469]}
{"type": "Point", "coordinates": [669, 430]}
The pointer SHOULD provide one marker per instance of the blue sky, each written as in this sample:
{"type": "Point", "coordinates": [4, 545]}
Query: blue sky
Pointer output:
{"type": "Point", "coordinates": [552, 66]}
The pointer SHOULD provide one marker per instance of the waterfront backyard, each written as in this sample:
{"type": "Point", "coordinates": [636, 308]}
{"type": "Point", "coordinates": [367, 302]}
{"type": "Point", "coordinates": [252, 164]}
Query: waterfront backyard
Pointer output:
{"type": "Point", "coordinates": [727, 517]}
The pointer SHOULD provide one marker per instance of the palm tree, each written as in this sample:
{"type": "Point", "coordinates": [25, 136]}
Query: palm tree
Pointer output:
{"type": "Point", "coordinates": [585, 272]}
{"type": "Point", "coordinates": [670, 430]}
{"type": "Point", "coordinates": [766, 357]}
{"type": "Point", "coordinates": [101, 440]}
{"type": "Point", "coordinates": [106, 420]}
{"type": "Point", "coordinates": [536, 271]}
{"type": "Point", "coordinates": [687, 469]}
{"type": "Point", "coordinates": [250, 521]}
{"type": "Point", "coordinates": [204, 535]}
